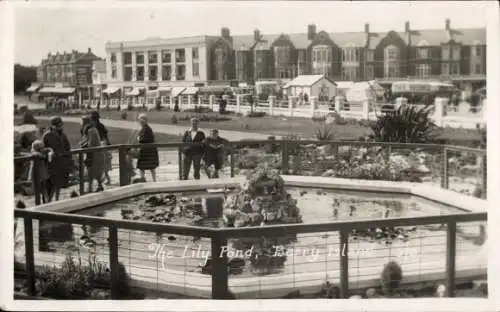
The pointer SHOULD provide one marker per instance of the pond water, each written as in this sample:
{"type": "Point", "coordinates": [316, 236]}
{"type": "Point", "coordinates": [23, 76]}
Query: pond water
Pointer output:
{"type": "Point", "coordinates": [314, 252]}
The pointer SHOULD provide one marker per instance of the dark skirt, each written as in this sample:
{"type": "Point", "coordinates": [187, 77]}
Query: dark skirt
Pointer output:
{"type": "Point", "coordinates": [148, 159]}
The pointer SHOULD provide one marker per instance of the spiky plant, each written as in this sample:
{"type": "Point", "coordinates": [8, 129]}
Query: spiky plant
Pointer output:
{"type": "Point", "coordinates": [408, 124]}
{"type": "Point", "coordinates": [325, 132]}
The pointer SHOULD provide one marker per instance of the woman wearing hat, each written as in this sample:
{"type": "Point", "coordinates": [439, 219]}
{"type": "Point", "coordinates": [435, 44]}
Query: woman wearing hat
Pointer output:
{"type": "Point", "coordinates": [148, 156]}
{"type": "Point", "coordinates": [62, 163]}
{"type": "Point", "coordinates": [95, 160]}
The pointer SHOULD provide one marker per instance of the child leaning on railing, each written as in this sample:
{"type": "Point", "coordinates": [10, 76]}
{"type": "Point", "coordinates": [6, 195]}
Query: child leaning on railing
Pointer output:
{"type": "Point", "coordinates": [39, 174]}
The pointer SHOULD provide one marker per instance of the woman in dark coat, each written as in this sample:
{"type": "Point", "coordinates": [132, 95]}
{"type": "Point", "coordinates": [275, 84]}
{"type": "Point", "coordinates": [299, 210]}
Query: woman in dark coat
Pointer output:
{"type": "Point", "coordinates": [148, 156]}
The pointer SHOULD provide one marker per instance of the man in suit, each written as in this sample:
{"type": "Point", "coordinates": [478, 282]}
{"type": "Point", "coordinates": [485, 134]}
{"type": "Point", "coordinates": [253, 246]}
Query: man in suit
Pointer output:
{"type": "Point", "coordinates": [193, 153]}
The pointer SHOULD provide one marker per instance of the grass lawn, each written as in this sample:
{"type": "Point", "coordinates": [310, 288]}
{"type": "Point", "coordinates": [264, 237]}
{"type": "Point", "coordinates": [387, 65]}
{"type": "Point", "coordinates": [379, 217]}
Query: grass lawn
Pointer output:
{"type": "Point", "coordinates": [304, 127]}
{"type": "Point", "coordinates": [116, 135]}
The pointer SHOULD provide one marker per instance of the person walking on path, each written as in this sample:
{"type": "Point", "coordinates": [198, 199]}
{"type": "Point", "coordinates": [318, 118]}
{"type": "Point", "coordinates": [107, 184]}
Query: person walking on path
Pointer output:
{"type": "Point", "coordinates": [62, 163]}
{"type": "Point", "coordinates": [103, 134]}
{"type": "Point", "coordinates": [95, 159]}
{"type": "Point", "coordinates": [148, 156]}
{"type": "Point", "coordinates": [194, 152]}
{"type": "Point", "coordinates": [214, 153]}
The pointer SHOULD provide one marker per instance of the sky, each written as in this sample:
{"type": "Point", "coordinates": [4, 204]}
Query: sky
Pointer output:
{"type": "Point", "coordinates": [63, 26]}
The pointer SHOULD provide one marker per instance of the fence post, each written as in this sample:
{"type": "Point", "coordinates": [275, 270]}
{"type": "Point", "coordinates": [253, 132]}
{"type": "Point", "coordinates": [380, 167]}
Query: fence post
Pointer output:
{"type": "Point", "coordinates": [444, 174]}
{"type": "Point", "coordinates": [238, 103]}
{"type": "Point", "coordinates": [113, 261]}
{"type": "Point", "coordinates": [451, 236]}
{"type": "Point", "coordinates": [211, 101]}
{"type": "Point", "coordinates": [30, 257]}
{"type": "Point", "coordinates": [231, 160]}
{"type": "Point", "coordinates": [271, 105]}
{"type": "Point", "coordinates": [220, 285]}
{"type": "Point", "coordinates": [313, 105]}
{"type": "Point", "coordinates": [179, 161]}
{"type": "Point", "coordinates": [344, 264]}
{"type": "Point", "coordinates": [284, 157]}
{"type": "Point", "coordinates": [338, 104]}
{"type": "Point", "coordinates": [290, 106]}
{"type": "Point", "coordinates": [124, 166]}
{"type": "Point", "coordinates": [484, 175]}
{"type": "Point", "coordinates": [190, 101]}
{"type": "Point", "coordinates": [81, 173]}
{"type": "Point", "coordinates": [366, 109]}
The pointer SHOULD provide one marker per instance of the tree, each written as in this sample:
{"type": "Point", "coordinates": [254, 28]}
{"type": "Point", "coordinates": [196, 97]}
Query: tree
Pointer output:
{"type": "Point", "coordinates": [23, 77]}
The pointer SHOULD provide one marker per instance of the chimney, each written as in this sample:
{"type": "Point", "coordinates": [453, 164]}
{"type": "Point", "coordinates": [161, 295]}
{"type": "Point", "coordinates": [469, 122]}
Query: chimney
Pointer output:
{"type": "Point", "coordinates": [256, 35]}
{"type": "Point", "coordinates": [407, 27]}
{"type": "Point", "coordinates": [447, 24]}
{"type": "Point", "coordinates": [225, 33]}
{"type": "Point", "coordinates": [311, 31]}
{"type": "Point", "coordinates": [367, 28]}
{"type": "Point", "coordinates": [89, 51]}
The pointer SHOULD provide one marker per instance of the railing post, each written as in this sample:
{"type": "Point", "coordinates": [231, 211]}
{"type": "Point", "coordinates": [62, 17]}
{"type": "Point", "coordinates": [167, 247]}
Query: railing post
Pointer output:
{"type": "Point", "coordinates": [344, 264]}
{"type": "Point", "coordinates": [484, 175]}
{"type": "Point", "coordinates": [444, 174]}
{"type": "Point", "coordinates": [124, 166]}
{"type": "Point", "coordinates": [451, 236]}
{"type": "Point", "coordinates": [179, 161]}
{"type": "Point", "coordinates": [30, 257]}
{"type": "Point", "coordinates": [284, 157]}
{"type": "Point", "coordinates": [113, 261]}
{"type": "Point", "coordinates": [220, 285]}
{"type": "Point", "coordinates": [81, 173]}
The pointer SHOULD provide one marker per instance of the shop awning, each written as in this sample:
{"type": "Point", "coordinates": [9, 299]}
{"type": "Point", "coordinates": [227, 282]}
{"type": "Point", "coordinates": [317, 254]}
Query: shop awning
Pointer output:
{"type": "Point", "coordinates": [176, 91]}
{"type": "Point", "coordinates": [57, 90]}
{"type": "Point", "coordinates": [215, 89]}
{"type": "Point", "coordinates": [164, 89]}
{"type": "Point", "coordinates": [190, 91]}
{"type": "Point", "coordinates": [33, 88]}
{"type": "Point", "coordinates": [111, 90]}
{"type": "Point", "coordinates": [134, 92]}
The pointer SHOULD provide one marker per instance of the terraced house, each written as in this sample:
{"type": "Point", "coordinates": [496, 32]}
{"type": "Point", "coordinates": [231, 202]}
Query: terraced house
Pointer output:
{"type": "Point", "coordinates": [447, 53]}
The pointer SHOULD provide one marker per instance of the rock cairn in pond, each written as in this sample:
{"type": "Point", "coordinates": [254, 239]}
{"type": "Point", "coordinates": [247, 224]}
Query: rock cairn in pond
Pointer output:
{"type": "Point", "coordinates": [263, 200]}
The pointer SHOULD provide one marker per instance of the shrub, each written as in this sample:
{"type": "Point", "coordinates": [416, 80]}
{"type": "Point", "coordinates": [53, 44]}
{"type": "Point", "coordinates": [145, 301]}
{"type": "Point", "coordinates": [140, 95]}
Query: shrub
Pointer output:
{"type": "Point", "coordinates": [174, 120]}
{"type": "Point", "coordinates": [293, 147]}
{"type": "Point", "coordinates": [199, 110]}
{"type": "Point", "coordinates": [158, 105]}
{"type": "Point", "coordinates": [130, 107]}
{"type": "Point", "coordinates": [324, 132]}
{"type": "Point", "coordinates": [407, 124]}
{"type": "Point", "coordinates": [391, 278]}
{"type": "Point", "coordinates": [124, 115]}
{"type": "Point", "coordinates": [319, 117]}
{"type": "Point", "coordinates": [271, 148]}
{"type": "Point", "coordinates": [28, 118]}
{"type": "Point", "coordinates": [253, 114]}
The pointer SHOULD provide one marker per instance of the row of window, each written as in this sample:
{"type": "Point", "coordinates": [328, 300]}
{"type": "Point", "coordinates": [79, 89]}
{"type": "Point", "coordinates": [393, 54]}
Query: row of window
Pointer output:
{"type": "Point", "coordinates": [166, 56]}
{"type": "Point", "coordinates": [152, 74]}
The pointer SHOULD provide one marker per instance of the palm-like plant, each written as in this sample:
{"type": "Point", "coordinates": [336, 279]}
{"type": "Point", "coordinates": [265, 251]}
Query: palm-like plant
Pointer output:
{"type": "Point", "coordinates": [408, 124]}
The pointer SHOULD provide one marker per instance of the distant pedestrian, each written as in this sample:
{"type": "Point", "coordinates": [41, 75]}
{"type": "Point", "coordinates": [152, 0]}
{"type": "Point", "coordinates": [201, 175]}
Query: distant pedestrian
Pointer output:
{"type": "Point", "coordinates": [39, 169]}
{"type": "Point", "coordinates": [95, 159]}
{"type": "Point", "coordinates": [62, 163]}
{"type": "Point", "coordinates": [148, 156]}
{"type": "Point", "coordinates": [194, 152]}
{"type": "Point", "coordinates": [214, 153]}
{"type": "Point", "coordinates": [103, 134]}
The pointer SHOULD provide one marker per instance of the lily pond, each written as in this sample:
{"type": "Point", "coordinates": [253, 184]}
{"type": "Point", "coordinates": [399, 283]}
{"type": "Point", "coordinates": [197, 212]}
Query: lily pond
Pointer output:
{"type": "Point", "coordinates": [303, 253]}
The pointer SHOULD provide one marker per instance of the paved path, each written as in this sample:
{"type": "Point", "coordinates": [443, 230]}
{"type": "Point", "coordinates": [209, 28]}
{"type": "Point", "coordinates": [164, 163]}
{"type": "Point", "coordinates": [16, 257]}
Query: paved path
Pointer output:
{"type": "Point", "coordinates": [170, 129]}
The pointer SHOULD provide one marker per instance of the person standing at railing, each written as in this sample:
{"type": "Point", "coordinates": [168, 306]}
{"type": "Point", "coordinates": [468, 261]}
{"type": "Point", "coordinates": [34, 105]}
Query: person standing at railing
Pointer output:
{"type": "Point", "coordinates": [95, 159]}
{"type": "Point", "coordinates": [148, 156]}
{"type": "Point", "coordinates": [62, 163]}
{"type": "Point", "coordinates": [40, 177]}
{"type": "Point", "coordinates": [103, 134]}
{"type": "Point", "coordinates": [194, 152]}
{"type": "Point", "coordinates": [214, 153]}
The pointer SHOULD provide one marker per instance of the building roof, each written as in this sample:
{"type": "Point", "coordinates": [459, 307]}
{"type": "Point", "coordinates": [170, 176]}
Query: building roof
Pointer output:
{"type": "Point", "coordinates": [304, 80]}
{"type": "Point", "coordinates": [66, 58]}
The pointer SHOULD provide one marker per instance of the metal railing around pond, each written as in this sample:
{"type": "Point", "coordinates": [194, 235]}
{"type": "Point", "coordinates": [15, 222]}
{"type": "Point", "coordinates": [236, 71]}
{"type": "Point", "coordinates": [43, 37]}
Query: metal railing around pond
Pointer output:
{"type": "Point", "coordinates": [300, 157]}
{"type": "Point", "coordinates": [350, 268]}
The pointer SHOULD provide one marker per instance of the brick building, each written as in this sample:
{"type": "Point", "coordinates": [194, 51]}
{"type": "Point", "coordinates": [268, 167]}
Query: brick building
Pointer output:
{"type": "Point", "coordinates": [448, 53]}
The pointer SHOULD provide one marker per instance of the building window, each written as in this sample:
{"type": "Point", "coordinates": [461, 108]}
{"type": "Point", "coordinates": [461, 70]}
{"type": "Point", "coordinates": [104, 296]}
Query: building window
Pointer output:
{"type": "Point", "coordinates": [113, 57]}
{"type": "Point", "coordinates": [478, 69]}
{"type": "Point", "coordinates": [369, 56]}
{"type": "Point", "coordinates": [127, 74]}
{"type": "Point", "coordinates": [350, 73]}
{"type": "Point", "coordinates": [166, 56]}
{"type": "Point", "coordinates": [422, 53]}
{"type": "Point", "coordinates": [391, 62]}
{"type": "Point", "coordinates": [139, 58]}
{"type": "Point", "coordinates": [445, 69]}
{"type": "Point", "coordinates": [369, 72]}
{"type": "Point", "coordinates": [455, 68]}
{"type": "Point", "coordinates": [195, 53]}
{"type": "Point", "coordinates": [220, 61]}
{"type": "Point", "coordinates": [456, 53]}
{"type": "Point", "coordinates": [477, 51]}
{"type": "Point", "coordinates": [282, 55]}
{"type": "Point", "coordinates": [153, 73]}
{"type": "Point", "coordinates": [152, 57]}
{"type": "Point", "coordinates": [423, 70]}
{"type": "Point", "coordinates": [140, 73]}
{"type": "Point", "coordinates": [166, 73]}
{"type": "Point", "coordinates": [350, 55]}
{"type": "Point", "coordinates": [113, 70]}
{"type": "Point", "coordinates": [127, 58]}
{"type": "Point", "coordinates": [446, 53]}
{"type": "Point", "coordinates": [180, 72]}
{"type": "Point", "coordinates": [321, 59]}
{"type": "Point", "coordinates": [180, 55]}
{"type": "Point", "coordinates": [196, 69]}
